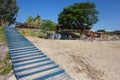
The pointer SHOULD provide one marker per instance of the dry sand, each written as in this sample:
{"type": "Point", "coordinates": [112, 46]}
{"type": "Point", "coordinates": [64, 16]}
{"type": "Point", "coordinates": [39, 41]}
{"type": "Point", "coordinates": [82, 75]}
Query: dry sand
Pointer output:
{"type": "Point", "coordinates": [83, 60]}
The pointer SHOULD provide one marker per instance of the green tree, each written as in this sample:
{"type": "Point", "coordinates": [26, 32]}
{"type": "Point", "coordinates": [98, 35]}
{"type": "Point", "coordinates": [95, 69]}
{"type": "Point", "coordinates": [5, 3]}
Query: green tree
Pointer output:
{"type": "Point", "coordinates": [37, 21]}
{"type": "Point", "coordinates": [8, 11]}
{"type": "Point", "coordinates": [30, 20]}
{"type": "Point", "coordinates": [48, 25]}
{"type": "Point", "coordinates": [101, 30]}
{"type": "Point", "coordinates": [79, 16]}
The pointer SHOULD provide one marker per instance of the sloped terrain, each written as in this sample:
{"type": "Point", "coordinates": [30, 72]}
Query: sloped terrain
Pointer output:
{"type": "Point", "coordinates": [84, 60]}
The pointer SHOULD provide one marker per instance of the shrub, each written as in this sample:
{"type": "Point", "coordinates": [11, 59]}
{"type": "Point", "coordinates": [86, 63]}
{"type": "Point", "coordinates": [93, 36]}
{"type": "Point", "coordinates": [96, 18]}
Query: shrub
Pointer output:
{"type": "Point", "coordinates": [41, 35]}
{"type": "Point", "coordinates": [2, 36]}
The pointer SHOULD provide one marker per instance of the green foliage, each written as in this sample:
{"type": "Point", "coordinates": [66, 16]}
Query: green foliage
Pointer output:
{"type": "Point", "coordinates": [8, 11]}
{"type": "Point", "coordinates": [48, 25]}
{"type": "Point", "coordinates": [78, 16]}
{"type": "Point", "coordinates": [30, 20]}
{"type": "Point", "coordinates": [34, 21]}
{"type": "Point", "coordinates": [37, 21]}
{"type": "Point", "coordinates": [41, 35]}
{"type": "Point", "coordinates": [101, 30]}
{"type": "Point", "coordinates": [26, 32]}
{"type": "Point", "coordinates": [5, 66]}
{"type": "Point", "coordinates": [116, 32]}
{"type": "Point", "coordinates": [2, 36]}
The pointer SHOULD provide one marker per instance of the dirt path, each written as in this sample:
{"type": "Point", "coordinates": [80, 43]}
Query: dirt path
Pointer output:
{"type": "Point", "coordinates": [84, 60]}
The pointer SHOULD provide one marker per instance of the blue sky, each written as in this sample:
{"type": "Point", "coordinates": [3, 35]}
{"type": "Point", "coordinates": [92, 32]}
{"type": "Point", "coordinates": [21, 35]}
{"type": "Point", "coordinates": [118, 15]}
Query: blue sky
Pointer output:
{"type": "Point", "coordinates": [109, 11]}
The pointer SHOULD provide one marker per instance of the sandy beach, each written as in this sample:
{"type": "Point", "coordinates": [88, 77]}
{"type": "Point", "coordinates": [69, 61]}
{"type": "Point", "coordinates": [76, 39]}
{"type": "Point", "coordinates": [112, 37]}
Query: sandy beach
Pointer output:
{"type": "Point", "coordinates": [83, 60]}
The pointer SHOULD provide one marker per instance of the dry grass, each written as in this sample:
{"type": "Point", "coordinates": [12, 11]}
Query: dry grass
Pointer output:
{"type": "Point", "coordinates": [2, 36]}
{"type": "Point", "coordinates": [32, 32]}
{"type": "Point", "coordinates": [5, 64]}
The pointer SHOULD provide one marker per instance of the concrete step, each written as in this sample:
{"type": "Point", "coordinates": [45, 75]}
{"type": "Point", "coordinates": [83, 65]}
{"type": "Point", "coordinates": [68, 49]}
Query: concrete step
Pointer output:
{"type": "Point", "coordinates": [29, 62]}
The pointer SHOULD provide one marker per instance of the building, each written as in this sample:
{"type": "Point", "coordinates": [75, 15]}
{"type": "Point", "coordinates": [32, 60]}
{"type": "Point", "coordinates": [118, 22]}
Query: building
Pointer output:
{"type": "Point", "coordinates": [23, 25]}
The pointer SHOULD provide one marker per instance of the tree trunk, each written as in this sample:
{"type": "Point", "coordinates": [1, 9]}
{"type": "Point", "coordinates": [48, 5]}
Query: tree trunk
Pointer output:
{"type": "Point", "coordinates": [2, 23]}
{"type": "Point", "coordinates": [81, 32]}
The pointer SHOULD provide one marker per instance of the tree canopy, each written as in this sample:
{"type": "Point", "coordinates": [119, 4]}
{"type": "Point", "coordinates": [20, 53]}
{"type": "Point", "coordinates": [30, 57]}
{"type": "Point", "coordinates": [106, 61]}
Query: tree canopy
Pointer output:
{"type": "Point", "coordinates": [35, 21]}
{"type": "Point", "coordinates": [101, 30]}
{"type": "Point", "coordinates": [8, 11]}
{"type": "Point", "coordinates": [42, 24]}
{"type": "Point", "coordinates": [29, 20]}
{"type": "Point", "coordinates": [79, 16]}
{"type": "Point", "coordinates": [48, 25]}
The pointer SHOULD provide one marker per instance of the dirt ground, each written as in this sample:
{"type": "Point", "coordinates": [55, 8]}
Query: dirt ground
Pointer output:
{"type": "Point", "coordinates": [3, 53]}
{"type": "Point", "coordinates": [83, 60]}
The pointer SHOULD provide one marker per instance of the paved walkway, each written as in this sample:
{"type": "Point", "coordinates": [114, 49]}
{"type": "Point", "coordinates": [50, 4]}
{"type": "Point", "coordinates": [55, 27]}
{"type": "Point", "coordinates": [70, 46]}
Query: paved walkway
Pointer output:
{"type": "Point", "coordinates": [29, 62]}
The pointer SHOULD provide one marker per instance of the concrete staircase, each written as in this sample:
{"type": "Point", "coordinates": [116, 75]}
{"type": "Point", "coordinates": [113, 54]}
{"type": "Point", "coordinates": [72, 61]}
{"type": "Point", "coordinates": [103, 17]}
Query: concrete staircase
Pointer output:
{"type": "Point", "coordinates": [29, 62]}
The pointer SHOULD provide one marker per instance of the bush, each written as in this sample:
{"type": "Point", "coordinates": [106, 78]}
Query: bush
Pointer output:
{"type": "Point", "coordinates": [2, 36]}
{"type": "Point", "coordinates": [41, 35]}
{"type": "Point", "coordinates": [31, 32]}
